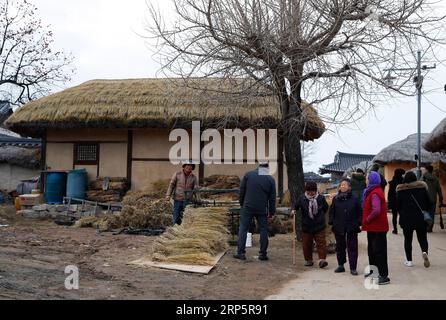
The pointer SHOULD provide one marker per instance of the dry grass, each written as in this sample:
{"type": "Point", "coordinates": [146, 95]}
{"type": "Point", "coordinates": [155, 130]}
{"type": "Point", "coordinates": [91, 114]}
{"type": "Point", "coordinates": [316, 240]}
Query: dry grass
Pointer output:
{"type": "Point", "coordinates": [155, 103]}
{"type": "Point", "coordinates": [202, 235]}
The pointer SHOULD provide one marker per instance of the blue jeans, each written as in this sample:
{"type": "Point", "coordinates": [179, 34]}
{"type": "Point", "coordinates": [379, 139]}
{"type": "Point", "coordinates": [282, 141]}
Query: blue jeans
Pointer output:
{"type": "Point", "coordinates": [245, 222]}
{"type": "Point", "coordinates": [178, 208]}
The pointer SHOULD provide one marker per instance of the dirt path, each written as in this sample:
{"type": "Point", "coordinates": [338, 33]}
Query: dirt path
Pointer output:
{"type": "Point", "coordinates": [34, 254]}
{"type": "Point", "coordinates": [406, 283]}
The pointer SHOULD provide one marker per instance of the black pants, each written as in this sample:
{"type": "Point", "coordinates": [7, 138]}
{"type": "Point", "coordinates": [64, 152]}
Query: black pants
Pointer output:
{"type": "Point", "coordinates": [245, 223]}
{"type": "Point", "coordinates": [347, 242]}
{"type": "Point", "coordinates": [377, 250]}
{"type": "Point", "coordinates": [422, 240]}
{"type": "Point", "coordinates": [395, 218]}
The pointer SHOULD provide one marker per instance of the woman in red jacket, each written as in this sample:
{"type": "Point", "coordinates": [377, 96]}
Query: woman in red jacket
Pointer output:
{"type": "Point", "coordinates": [375, 222]}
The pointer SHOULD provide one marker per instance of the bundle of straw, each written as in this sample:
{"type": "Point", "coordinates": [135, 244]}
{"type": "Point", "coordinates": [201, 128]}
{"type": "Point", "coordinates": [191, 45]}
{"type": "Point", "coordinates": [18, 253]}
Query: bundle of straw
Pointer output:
{"type": "Point", "coordinates": [202, 235]}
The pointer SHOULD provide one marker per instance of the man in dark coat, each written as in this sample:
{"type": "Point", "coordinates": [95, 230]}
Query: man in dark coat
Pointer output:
{"type": "Point", "coordinates": [257, 199]}
{"type": "Point", "coordinates": [358, 184]}
{"type": "Point", "coordinates": [391, 196]}
{"type": "Point", "coordinates": [412, 198]}
{"type": "Point", "coordinates": [434, 190]}
{"type": "Point", "coordinates": [313, 207]}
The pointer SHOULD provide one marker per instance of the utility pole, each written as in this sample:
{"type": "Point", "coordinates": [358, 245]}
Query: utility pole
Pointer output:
{"type": "Point", "coordinates": [418, 80]}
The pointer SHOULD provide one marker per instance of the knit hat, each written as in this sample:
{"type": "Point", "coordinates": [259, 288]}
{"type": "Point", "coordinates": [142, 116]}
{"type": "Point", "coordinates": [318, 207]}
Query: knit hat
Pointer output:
{"type": "Point", "coordinates": [374, 178]}
{"type": "Point", "coordinates": [310, 186]}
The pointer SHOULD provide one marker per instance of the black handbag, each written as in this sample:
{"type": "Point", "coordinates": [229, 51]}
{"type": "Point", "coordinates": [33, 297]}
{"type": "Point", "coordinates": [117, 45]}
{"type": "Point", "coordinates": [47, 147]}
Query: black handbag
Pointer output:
{"type": "Point", "coordinates": [426, 215]}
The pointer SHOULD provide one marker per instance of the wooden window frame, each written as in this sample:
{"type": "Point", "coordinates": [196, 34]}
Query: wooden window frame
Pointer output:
{"type": "Point", "coordinates": [85, 162]}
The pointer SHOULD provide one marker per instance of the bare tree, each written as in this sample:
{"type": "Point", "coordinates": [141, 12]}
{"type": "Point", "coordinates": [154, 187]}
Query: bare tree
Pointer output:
{"type": "Point", "coordinates": [330, 53]}
{"type": "Point", "coordinates": [308, 150]}
{"type": "Point", "coordinates": [29, 66]}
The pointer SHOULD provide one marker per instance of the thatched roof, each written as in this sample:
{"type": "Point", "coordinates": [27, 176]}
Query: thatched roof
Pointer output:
{"type": "Point", "coordinates": [22, 157]}
{"type": "Point", "coordinates": [156, 103]}
{"type": "Point", "coordinates": [405, 150]}
{"type": "Point", "coordinates": [436, 141]}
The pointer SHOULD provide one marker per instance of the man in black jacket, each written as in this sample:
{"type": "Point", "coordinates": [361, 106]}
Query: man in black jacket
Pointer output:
{"type": "Point", "coordinates": [257, 199]}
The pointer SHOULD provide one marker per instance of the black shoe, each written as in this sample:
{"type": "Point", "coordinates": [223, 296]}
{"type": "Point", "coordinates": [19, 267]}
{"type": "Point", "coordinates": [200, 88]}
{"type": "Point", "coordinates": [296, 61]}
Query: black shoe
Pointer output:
{"type": "Point", "coordinates": [323, 264]}
{"type": "Point", "coordinates": [383, 280]}
{"type": "Point", "coordinates": [263, 257]}
{"type": "Point", "coordinates": [395, 231]}
{"type": "Point", "coordinates": [309, 263]}
{"type": "Point", "coordinates": [353, 272]}
{"type": "Point", "coordinates": [239, 256]}
{"type": "Point", "coordinates": [339, 269]}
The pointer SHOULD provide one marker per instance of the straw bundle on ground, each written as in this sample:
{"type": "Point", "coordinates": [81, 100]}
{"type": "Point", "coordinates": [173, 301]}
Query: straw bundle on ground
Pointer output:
{"type": "Point", "coordinates": [202, 235]}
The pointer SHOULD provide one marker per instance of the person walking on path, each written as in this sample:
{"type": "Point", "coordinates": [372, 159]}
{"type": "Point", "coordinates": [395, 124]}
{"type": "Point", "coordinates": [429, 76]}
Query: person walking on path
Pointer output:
{"type": "Point", "coordinates": [358, 184]}
{"type": "Point", "coordinates": [345, 216]}
{"type": "Point", "coordinates": [181, 181]}
{"type": "Point", "coordinates": [412, 198]}
{"type": "Point", "coordinates": [313, 207]}
{"type": "Point", "coordinates": [374, 221]}
{"type": "Point", "coordinates": [433, 189]}
{"type": "Point", "coordinates": [391, 196]}
{"type": "Point", "coordinates": [257, 199]}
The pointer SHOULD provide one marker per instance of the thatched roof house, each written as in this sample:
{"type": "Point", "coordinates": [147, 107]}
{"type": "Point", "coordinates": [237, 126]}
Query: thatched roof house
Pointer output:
{"type": "Point", "coordinates": [19, 160]}
{"type": "Point", "coordinates": [404, 151]}
{"type": "Point", "coordinates": [436, 141]}
{"type": "Point", "coordinates": [120, 128]}
{"type": "Point", "coordinates": [156, 103]}
{"type": "Point", "coordinates": [401, 154]}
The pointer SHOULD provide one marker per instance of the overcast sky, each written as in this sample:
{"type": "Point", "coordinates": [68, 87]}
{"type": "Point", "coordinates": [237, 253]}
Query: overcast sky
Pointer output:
{"type": "Point", "coordinates": [103, 36]}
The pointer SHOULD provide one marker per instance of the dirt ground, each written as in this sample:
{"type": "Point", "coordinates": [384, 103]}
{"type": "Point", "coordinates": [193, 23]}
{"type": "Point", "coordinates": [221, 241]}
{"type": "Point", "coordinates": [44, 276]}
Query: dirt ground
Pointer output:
{"type": "Point", "coordinates": [34, 254]}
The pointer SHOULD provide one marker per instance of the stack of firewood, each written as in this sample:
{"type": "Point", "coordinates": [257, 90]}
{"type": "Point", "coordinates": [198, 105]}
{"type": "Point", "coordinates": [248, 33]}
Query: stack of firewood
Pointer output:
{"type": "Point", "coordinates": [107, 189]}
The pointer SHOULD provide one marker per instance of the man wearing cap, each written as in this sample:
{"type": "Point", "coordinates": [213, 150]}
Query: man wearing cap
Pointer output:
{"type": "Point", "coordinates": [182, 180]}
{"type": "Point", "coordinates": [257, 199]}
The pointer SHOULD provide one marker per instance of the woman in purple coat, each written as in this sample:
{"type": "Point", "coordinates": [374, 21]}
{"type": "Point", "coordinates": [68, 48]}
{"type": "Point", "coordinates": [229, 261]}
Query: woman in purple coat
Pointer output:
{"type": "Point", "coordinates": [345, 216]}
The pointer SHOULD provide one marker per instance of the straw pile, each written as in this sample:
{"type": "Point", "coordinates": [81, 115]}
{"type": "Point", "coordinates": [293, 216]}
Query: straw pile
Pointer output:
{"type": "Point", "coordinates": [221, 182]}
{"type": "Point", "coordinates": [202, 235]}
{"type": "Point", "coordinates": [111, 192]}
{"type": "Point", "coordinates": [144, 209]}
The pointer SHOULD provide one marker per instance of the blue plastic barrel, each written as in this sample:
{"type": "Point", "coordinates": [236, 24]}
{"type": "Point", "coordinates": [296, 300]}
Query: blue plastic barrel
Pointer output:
{"type": "Point", "coordinates": [77, 184]}
{"type": "Point", "coordinates": [55, 187]}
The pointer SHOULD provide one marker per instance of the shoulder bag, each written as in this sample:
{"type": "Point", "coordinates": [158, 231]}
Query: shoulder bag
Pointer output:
{"type": "Point", "coordinates": [426, 215]}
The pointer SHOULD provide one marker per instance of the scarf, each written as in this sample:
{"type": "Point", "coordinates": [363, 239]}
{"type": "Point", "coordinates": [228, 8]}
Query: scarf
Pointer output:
{"type": "Point", "coordinates": [312, 206]}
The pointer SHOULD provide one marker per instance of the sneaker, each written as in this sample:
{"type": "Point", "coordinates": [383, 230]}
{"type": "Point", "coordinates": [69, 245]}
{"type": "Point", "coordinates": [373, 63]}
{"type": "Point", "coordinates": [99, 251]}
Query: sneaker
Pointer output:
{"type": "Point", "coordinates": [239, 256]}
{"type": "Point", "coordinates": [309, 263]}
{"type": "Point", "coordinates": [339, 269]}
{"type": "Point", "coordinates": [408, 264]}
{"type": "Point", "coordinates": [323, 264]}
{"type": "Point", "coordinates": [427, 263]}
{"type": "Point", "coordinates": [263, 257]}
{"type": "Point", "coordinates": [353, 272]}
{"type": "Point", "coordinates": [383, 280]}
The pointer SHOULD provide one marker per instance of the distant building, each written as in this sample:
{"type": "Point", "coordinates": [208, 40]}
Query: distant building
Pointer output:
{"type": "Point", "coordinates": [342, 162]}
{"type": "Point", "coordinates": [5, 111]}
{"type": "Point", "coordinates": [19, 159]}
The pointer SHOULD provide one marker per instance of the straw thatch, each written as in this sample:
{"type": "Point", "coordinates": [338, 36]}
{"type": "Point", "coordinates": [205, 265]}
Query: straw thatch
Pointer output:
{"type": "Point", "coordinates": [156, 103]}
{"type": "Point", "coordinates": [22, 157]}
{"type": "Point", "coordinates": [436, 141]}
{"type": "Point", "coordinates": [202, 235]}
{"type": "Point", "coordinates": [405, 150]}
